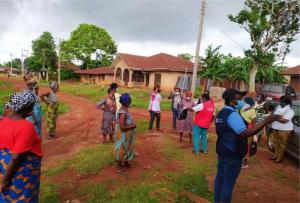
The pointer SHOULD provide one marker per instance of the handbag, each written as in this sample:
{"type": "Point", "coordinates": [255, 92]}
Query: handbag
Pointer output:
{"type": "Point", "coordinates": [253, 148]}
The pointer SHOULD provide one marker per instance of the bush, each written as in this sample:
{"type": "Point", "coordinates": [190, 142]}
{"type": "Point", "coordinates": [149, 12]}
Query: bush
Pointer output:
{"type": "Point", "coordinates": [67, 74]}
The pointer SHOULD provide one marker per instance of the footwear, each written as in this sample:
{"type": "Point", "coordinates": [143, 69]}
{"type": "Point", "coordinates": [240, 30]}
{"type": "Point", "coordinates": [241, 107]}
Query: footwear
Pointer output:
{"type": "Point", "coordinates": [278, 161]}
{"type": "Point", "coordinates": [197, 153]}
{"type": "Point", "coordinates": [204, 152]}
{"type": "Point", "coordinates": [126, 164]}
{"type": "Point", "coordinates": [273, 158]}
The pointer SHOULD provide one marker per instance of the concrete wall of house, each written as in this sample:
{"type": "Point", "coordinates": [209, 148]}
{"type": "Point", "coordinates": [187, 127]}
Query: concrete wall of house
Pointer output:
{"type": "Point", "coordinates": [295, 83]}
{"type": "Point", "coordinates": [120, 63]}
{"type": "Point", "coordinates": [168, 79]}
{"type": "Point", "coordinates": [97, 79]}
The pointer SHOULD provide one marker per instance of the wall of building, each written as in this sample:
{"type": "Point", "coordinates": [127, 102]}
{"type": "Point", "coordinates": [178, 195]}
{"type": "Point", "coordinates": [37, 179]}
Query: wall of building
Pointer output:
{"type": "Point", "coordinates": [168, 80]}
{"type": "Point", "coordinates": [295, 83]}
{"type": "Point", "coordinates": [97, 79]}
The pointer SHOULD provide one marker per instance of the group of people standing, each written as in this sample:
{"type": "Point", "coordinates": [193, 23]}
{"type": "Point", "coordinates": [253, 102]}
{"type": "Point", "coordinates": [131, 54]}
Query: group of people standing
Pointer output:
{"type": "Point", "coordinates": [21, 141]}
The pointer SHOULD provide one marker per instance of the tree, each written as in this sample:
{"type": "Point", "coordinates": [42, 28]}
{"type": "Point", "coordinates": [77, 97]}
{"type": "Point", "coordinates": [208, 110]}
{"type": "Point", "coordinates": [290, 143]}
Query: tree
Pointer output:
{"type": "Point", "coordinates": [16, 63]}
{"type": "Point", "coordinates": [44, 53]}
{"type": "Point", "coordinates": [272, 26]}
{"type": "Point", "coordinates": [87, 41]}
{"type": "Point", "coordinates": [186, 56]}
{"type": "Point", "coordinates": [33, 63]}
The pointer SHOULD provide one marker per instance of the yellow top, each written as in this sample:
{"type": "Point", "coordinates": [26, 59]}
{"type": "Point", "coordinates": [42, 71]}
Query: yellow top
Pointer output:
{"type": "Point", "coordinates": [248, 115]}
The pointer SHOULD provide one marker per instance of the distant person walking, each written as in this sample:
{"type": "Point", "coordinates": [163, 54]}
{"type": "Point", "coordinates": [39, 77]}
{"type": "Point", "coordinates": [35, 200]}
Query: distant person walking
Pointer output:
{"type": "Point", "coordinates": [282, 128]}
{"type": "Point", "coordinates": [185, 125]}
{"type": "Point", "coordinates": [176, 98]}
{"type": "Point", "coordinates": [124, 133]}
{"type": "Point", "coordinates": [154, 108]}
{"type": "Point", "coordinates": [108, 105]}
{"type": "Point", "coordinates": [20, 152]}
{"type": "Point", "coordinates": [203, 119]}
{"type": "Point", "coordinates": [50, 99]}
{"type": "Point", "coordinates": [231, 144]}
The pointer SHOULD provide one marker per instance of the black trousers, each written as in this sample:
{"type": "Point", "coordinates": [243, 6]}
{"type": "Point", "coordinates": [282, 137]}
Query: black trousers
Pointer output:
{"type": "Point", "coordinates": [154, 115]}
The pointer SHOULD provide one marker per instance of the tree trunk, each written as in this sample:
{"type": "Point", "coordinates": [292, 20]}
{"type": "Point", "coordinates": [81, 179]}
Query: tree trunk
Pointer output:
{"type": "Point", "coordinates": [47, 75]}
{"type": "Point", "coordinates": [253, 72]}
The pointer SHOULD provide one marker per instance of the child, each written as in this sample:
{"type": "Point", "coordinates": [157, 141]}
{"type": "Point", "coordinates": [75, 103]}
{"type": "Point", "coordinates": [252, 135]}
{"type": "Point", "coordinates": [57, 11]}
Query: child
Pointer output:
{"type": "Point", "coordinates": [249, 114]}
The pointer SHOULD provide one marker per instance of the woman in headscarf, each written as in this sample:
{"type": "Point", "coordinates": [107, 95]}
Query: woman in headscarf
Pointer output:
{"type": "Point", "coordinates": [108, 105]}
{"type": "Point", "coordinates": [186, 125]}
{"type": "Point", "coordinates": [52, 108]}
{"type": "Point", "coordinates": [36, 117]}
{"type": "Point", "coordinates": [124, 133]}
{"type": "Point", "coordinates": [20, 152]}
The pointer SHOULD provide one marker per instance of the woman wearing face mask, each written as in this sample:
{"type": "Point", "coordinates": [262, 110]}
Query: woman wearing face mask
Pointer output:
{"type": "Point", "coordinates": [282, 128]}
{"type": "Point", "coordinates": [203, 119]}
{"type": "Point", "coordinates": [185, 125]}
{"type": "Point", "coordinates": [154, 108]}
{"type": "Point", "coordinates": [249, 115]}
{"type": "Point", "coordinates": [176, 99]}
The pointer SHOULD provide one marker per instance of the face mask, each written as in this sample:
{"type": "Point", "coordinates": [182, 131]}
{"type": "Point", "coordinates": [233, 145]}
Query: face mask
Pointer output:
{"type": "Point", "coordinates": [240, 104]}
{"type": "Point", "coordinates": [177, 93]}
{"type": "Point", "coordinates": [258, 99]}
{"type": "Point", "coordinates": [246, 106]}
{"type": "Point", "coordinates": [188, 98]}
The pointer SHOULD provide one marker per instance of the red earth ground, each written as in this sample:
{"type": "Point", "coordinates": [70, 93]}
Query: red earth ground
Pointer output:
{"type": "Point", "coordinates": [263, 181]}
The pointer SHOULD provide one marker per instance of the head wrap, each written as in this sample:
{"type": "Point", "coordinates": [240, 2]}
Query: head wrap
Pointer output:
{"type": "Point", "coordinates": [21, 100]}
{"type": "Point", "coordinates": [189, 94]}
{"type": "Point", "coordinates": [53, 84]}
{"type": "Point", "coordinates": [125, 99]}
{"type": "Point", "coordinates": [29, 79]}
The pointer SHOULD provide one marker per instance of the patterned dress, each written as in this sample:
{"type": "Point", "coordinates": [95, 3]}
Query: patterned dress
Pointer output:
{"type": "Point", "coordinates": [25, 184]}
{"type": "Point", "coordinates": [124, 140]}
{"type": "Point", "coordinates": [51, 113]}
{"type": "Point", "coordinates": [109, 116]}
{"type": "Point", "coordinates": [185, 125]}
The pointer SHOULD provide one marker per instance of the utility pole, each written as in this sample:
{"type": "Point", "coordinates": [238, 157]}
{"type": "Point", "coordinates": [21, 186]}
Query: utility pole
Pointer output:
{"type": "Point", "coordinates": [59, 59]}
{"type": "Point", "coordinates": [22, 59]}
{"type": "Point", "coordinates": [11, 70]}
{"type": "Point", "coordinates": [195, 70]}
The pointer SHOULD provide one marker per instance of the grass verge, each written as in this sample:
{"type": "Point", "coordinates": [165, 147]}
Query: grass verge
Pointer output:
{"type": "Point", "coordinates": [48, 192]}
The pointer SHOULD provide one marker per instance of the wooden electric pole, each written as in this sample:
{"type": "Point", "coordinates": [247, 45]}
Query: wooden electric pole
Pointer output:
{"type": "Point", "coordinates": [195, 71]}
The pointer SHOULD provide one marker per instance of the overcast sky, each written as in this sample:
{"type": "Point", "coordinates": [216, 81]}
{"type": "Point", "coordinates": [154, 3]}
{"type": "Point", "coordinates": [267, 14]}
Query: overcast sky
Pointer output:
{"type": "Point", "coordinates": [143, 27]}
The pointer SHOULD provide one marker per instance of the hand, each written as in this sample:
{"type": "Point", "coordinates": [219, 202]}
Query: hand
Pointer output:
{"type": "Point", "coordinates": [133, 126]}
{"type": "Point", "coordinates": [4, 186]}
{"type": "Point", "coordinates": [273, 117]}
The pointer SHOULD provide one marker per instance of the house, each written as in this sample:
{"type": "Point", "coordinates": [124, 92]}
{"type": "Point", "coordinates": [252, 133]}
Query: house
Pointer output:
{"type": "Point", "coordinates": [294, 74]}
{"type": "Point", "coordinates": [141, 71]}
{"type": "Point", "coordinates": [103, 75]}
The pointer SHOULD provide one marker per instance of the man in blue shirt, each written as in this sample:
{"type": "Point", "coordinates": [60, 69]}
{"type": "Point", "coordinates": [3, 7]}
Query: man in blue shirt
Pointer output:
{"type": "Point", "coordinates": [232, 143]}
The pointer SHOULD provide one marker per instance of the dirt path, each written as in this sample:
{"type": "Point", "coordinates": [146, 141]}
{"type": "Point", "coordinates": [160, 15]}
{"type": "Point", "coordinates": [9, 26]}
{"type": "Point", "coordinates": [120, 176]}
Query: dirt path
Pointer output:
{"type": "Point", "coordinates": [263, 181]}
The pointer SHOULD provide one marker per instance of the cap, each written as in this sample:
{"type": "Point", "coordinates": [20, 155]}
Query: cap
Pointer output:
{"type": "Point", "coordinates": [230, 92]}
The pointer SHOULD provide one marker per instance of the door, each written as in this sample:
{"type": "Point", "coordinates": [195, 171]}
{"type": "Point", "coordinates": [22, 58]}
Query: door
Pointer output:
{"type": "Point", "coordinates": [147, 80]}
{"type": "Point", "coordinates": [126, 77]}
{"type": "Point", "coordinates": [157, 79]}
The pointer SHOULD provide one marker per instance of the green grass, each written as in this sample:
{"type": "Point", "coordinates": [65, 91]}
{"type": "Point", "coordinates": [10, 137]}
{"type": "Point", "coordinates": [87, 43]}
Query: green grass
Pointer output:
{"type": "Point", "coordinates": [142, 126]}
{"type": "Point", "coordinates": [140, 97]}
{"type": "Point", "coordinates": [48, 192]}
{"type": "Point", "coordinates": [88, 160]}
{"type": "Point", "coordinates": [6, 89]}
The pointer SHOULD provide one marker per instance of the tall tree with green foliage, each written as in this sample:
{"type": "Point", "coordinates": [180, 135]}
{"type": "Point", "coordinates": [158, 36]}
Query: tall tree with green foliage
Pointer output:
{"type": "Point", "coordinates": [186, 56]}
{"type": "Point", "coordinates": [16, 63]}
{"type": "Point", "coordinates": [272, 26]}
{"type": "Point", "coordinates": [44, 53]}
{"type": "Point", "coordinates": [87, 42]}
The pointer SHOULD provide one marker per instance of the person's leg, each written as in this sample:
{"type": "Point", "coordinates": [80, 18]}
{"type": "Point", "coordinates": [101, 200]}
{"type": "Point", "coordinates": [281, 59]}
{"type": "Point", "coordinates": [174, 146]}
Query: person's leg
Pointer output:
{"type": "Point", "coordinates": [174, 111]}
{"type": "Point", "coordinates": [157, 121]}
{"type": "Point", "coordinates": [282, 137]}
{"type": "Point", "coordinates": [196, 133]}
{"type": "Point", "coordinates": [190, 134]}
{"type": "Point", "coordinates": [180, 136]}
{"type": "Point", "coordinates": [232, 169]}
{"type": "Point", "coordinates": [152, 116]}
{"type": "Point", "coordinates": [219, 181]}
{"type": "Point", "coordinates": [104, 138]}
{"type": "Point", "coordinates": [204, 139]}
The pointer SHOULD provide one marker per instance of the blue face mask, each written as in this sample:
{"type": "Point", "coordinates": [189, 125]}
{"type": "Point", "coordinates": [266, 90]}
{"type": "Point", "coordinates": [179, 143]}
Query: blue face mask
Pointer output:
{"type": "Point", "coordinates": [240, 104]}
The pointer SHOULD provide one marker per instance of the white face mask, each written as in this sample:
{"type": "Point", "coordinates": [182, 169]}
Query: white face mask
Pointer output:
{"type": "Point", "coordinates": [177, 93]}
{"type": "Point", "coordinates": [188, 98]}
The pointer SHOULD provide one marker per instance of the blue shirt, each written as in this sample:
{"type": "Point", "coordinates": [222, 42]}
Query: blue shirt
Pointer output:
{"type": "Point", "coordinates": [235, 121]}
